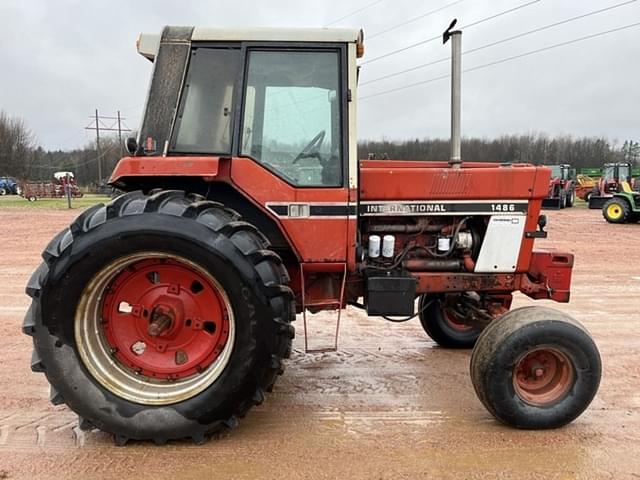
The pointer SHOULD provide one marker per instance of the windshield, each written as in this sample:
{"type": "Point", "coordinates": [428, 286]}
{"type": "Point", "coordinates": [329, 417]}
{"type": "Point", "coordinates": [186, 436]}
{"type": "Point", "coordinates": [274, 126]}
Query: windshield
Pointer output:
{"type": "Point", "coordinates": [292, 115]}
{"type": "Point", "coordinates": [623, 172]}
{"type": "Point", "coordinates": [556, 171]}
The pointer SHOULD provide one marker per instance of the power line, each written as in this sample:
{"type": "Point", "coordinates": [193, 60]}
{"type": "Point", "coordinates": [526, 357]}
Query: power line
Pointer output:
{"type": "Point", "coordinates": [473, 24]}
{"type": "Point", "coordinates": [411, 20]}
{"type": "Point", "coordinates": [354, 12]}
{"type": "Point", "coordinates": [79, 163]}
{"type": "Point", "coordinates": [100, 125]}
{"type": "Point", "coordinates": [503, 60]}
{"type": "Point", "coordinates": [504, 40]}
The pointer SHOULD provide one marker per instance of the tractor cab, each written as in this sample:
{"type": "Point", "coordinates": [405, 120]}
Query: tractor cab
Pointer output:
{"type": "Point", "coordinates": [283, 98]}
{"type": "Point", "coordinates": [615, 173]}
{"type": "Point", "coordinates": [616, 177]}
{"type": "Point", "coordinates": [561, 172]}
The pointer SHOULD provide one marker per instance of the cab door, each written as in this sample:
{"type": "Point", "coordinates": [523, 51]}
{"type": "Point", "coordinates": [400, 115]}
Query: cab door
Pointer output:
{"type": "Point", "coordinates": [292, 145]}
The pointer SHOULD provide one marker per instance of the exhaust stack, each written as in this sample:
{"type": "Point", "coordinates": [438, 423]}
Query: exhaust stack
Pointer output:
{"type": "Point", "coordinates": [456, 73]}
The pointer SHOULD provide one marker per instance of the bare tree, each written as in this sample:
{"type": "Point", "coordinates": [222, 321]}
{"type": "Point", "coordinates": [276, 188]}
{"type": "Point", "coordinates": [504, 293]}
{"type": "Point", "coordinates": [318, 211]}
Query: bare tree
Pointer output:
{"type": "Point", "coordinates": [16, 146]}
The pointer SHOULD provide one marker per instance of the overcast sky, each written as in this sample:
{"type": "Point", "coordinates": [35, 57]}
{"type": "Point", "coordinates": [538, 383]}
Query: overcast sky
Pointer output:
{"type": "Point", "coordinates": [61, 59]}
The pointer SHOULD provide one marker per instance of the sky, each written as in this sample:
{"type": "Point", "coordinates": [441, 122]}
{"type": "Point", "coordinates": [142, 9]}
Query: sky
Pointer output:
{"type": "Point", "coordinates": [62, 59]}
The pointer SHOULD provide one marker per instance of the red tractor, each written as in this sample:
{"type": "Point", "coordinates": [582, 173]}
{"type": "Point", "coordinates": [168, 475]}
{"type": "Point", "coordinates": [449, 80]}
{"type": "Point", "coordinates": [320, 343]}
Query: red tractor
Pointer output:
{"type": "Point", "coordinates": [167, 313]}
{"type": "Point", "coordinates": [562, 188]}
{"type": "Point", "coordinates": [616, 178]}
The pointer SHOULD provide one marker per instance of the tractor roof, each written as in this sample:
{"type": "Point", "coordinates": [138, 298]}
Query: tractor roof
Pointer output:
{"type": "Point", "coordinates": [148, 43]}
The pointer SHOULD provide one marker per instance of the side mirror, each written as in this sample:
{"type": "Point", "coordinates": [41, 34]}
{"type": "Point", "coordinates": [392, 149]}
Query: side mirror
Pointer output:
{"type": "Point", "coordinates": [131, 144]}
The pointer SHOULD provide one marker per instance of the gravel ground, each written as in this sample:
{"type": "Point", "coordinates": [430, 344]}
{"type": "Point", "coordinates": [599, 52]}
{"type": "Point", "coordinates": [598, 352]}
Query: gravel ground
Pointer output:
{"type": "Point", "coordinates": [388, 404]}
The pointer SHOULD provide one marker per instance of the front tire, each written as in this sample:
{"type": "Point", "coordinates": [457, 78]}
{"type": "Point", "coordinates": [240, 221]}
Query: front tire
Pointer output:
{"type": "Point", "coordinates": [535, 368]}
{"type": "Point", "coordinates": [616, 210]}
{"type": "Point", "coordinates": [207, 362]}
{"type": "Point", "coordinates": [442, 326]}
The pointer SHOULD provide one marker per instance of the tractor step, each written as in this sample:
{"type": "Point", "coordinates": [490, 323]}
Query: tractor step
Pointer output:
{"type": "Point", "coordinates": [328, 301]}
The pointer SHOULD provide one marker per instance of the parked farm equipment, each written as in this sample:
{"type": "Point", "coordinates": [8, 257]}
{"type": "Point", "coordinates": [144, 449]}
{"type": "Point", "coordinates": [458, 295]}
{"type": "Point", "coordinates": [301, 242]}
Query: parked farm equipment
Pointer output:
{"type": "Point", "coordinates": [179, 294]}
{"type": "Point", "coordinates": [624, 207]}
{"type": "Point", "coordinates": [62, 181]}
{"type": "Point", "coordinates": [585, 186]}
{"type": "Point", "coordinates": [9, 186]}
{"type": "Point", "coordinates": [562, 188]}
{"type": "Point", "coordinates": [616, 177]}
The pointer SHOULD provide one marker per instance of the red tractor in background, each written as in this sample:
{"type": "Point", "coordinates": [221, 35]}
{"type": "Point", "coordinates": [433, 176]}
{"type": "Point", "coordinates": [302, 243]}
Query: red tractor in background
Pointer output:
{"type": "Point", "coordinates": [166, 313]}
{"type": "Point", "coordinates": [562, 188]}
{"type": "Point", "coordinates": [616, 178]}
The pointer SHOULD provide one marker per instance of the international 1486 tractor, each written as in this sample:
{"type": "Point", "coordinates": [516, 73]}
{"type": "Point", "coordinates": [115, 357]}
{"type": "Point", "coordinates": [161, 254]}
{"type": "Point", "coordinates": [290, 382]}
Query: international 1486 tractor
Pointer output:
{"type": "Point", "coordinates": [166, 313]}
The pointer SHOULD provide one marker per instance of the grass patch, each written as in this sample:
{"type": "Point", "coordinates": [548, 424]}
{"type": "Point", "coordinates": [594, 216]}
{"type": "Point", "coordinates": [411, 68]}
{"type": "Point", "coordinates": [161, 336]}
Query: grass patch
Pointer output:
{"type": "Point", "coordinates": [88, 200]}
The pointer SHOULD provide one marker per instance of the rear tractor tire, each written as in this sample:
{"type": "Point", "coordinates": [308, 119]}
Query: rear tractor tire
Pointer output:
{"type": "Point", "coordinates": [616, 210]}
{"type": "Point", "coordinates": [535, 368]}
{"type": "Point", "coordinates": [160, 317]}
{"type": "Point", "coordinates": [442, 326]}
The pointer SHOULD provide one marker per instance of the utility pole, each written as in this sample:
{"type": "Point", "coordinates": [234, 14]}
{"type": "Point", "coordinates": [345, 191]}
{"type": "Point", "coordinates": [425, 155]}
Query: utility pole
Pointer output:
{"type": "Point", "coordinates": [106, 124]}
{"type": "Point", "coordinates": [98, 148]}
{"type": "Point", "coordinates": [120, 134]}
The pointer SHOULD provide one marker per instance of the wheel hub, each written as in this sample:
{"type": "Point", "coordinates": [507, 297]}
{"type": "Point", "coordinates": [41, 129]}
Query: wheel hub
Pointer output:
{"type": "Point", "coordinates": [163, 320]}
{"type": "Point", "coordinates": [543, 376]}
{"type": "Point", "coordinates": [455, 323]}
{"type": "Point", "coordinates": [154, 328]}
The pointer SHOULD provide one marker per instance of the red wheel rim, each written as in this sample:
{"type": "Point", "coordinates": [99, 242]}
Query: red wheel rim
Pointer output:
{"type": "Point", "coordinates": [163, 319]}
{"type": "Point", "coordinates": [454, 323]}
{"type": "Point", "coordinates": [543, 376]}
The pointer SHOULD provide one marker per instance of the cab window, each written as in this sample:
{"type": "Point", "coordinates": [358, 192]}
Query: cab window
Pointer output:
{"type": "Point", "coordinates": [292, 115]}
{"type": "Point", "coordinates": [205, 117]}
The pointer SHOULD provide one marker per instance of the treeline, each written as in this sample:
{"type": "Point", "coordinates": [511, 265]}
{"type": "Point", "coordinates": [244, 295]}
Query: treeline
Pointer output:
{"type": "Point", "coordinates": [537, 149]}
{"type": "Point", "coordinates": [22, 158]}
{"type": "Point", "coordinates": [83, 162]}
{"type": "Point", "coordinates": [17, 147]}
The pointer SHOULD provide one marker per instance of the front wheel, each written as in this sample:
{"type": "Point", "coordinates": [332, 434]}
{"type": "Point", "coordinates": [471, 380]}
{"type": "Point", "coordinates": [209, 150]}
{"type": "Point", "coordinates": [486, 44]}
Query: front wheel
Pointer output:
{"type": "Point", "coordinates": [616, 210]}
{"type": "Point", "coordinates": [535, 367]}
{"type": "Point", "coordinates": [160, 317]}
{"type": "Point", "coordinates": [443, 326]}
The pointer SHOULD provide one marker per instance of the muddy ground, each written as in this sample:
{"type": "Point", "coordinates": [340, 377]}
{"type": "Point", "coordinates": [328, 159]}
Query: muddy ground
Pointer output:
{"type": "Point", "coordinates": [388, 404]}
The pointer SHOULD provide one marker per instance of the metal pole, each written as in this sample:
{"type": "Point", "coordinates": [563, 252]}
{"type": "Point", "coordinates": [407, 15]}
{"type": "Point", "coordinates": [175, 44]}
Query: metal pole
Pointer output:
{"type": "Point", "coordinates": [120, 136]}
{"type": "Point", "coordinates": [456, 73]}
{"type": "Point", "coordinates": [67, 187]}
{"type": "Point", "coordinates": [98, 149]}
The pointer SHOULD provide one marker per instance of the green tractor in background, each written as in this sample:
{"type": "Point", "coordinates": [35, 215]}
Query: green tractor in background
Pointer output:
{"type": "Point", "coordinates": [623, 207]}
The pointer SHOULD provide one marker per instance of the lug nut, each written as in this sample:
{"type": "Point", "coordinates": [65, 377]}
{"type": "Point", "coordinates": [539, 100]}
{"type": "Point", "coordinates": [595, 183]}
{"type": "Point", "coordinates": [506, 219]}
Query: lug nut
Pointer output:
{"type": "Point", "coordinates": [181, 357]}
{"type": "Point", "coordinates": [139, 347]}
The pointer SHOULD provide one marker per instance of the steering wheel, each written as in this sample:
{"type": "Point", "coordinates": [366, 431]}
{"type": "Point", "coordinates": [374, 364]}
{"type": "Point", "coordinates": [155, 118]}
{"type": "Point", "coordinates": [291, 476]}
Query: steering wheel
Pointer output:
{"type": "Point", "coordinates": [311, 150]}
